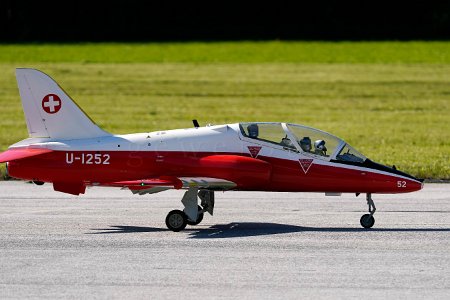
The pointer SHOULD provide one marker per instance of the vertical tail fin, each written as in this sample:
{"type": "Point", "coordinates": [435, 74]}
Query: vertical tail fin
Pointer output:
{"type": "Point", "coordinates": [49, 111]}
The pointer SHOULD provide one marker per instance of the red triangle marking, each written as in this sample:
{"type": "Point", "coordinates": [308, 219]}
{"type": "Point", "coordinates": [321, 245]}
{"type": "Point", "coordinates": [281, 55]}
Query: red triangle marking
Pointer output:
{"type": "Point", "coordinates": [254, 150]}
{"type": "Point", "coordinates": [305, 164]}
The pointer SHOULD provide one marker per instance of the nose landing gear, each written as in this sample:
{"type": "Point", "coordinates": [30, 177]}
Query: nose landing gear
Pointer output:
{"type": "Point", "coordinates": [367, 220]}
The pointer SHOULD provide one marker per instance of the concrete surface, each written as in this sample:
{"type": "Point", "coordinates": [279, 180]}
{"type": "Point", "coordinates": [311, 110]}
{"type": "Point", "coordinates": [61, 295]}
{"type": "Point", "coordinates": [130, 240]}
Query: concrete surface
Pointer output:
{"type": "Point", "coordinates": [112, 244]}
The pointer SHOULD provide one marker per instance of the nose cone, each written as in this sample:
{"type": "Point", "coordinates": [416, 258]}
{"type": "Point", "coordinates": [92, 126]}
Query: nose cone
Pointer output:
{"type": "Point", "coordinates": [407, 182]}
{"type": "Point", "coordinates": [404, 182]}
{"type": "Point", "coordinates": [410, 185]}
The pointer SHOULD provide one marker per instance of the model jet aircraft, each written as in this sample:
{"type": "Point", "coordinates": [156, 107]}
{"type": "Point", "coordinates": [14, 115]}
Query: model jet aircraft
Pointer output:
{"type": "Point", "coordinates": [66, 148]}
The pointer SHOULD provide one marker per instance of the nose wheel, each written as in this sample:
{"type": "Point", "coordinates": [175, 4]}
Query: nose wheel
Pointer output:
{"type": "Point", "coordinates": [367, 220]}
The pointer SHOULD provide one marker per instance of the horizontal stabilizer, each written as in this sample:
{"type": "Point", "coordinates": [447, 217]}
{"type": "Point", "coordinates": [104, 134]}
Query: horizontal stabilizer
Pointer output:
{"type": "Point", "coordinates": [15, 154]}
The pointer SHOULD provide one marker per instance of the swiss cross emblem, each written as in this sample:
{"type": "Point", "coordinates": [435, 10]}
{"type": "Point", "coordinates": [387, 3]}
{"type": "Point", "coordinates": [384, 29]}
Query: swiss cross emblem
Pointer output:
{"type": "Point", "coordinates": [254, 150]}
{"type": "Point", "coordinates": [305, 164]}
{"type": "Point", "coordinates": [51, 104]}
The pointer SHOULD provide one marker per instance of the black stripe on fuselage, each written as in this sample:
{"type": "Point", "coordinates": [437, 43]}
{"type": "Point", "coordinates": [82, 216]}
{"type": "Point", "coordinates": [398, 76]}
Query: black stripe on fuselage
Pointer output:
{"type": "Point", "coordinates": [376, 166]}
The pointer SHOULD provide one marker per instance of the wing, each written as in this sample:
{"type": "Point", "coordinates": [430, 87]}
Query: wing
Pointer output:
{"type": "Point", "coordinates": [230, 171]}
{"type": "Point", "coordinates": [156, 185]}
{"type": "Point", "coordinates": [15, 154]}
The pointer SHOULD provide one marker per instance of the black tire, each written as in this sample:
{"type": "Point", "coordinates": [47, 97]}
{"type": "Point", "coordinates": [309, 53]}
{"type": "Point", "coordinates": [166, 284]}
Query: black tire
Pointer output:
{"type": "Point", "coordinates": [367, 221]}
{"type": "Point", "coordinates": [38, 182]}
{"type": "Point", "coordinates": [176, 220]}
{"type": "Point", "coordinates": [199, 218]}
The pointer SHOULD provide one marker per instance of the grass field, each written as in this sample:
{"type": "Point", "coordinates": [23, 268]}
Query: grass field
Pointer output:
{"type": "Point", "coordinates": [390, 100]}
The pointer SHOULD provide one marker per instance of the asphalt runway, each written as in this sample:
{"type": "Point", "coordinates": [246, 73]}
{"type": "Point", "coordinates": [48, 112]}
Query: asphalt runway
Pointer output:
{"type": "Point", "coordinates": [112, 244]}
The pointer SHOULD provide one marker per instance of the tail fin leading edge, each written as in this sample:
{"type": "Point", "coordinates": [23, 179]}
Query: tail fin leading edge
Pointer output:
{"type": "Point", "coordinates": [49, 111]}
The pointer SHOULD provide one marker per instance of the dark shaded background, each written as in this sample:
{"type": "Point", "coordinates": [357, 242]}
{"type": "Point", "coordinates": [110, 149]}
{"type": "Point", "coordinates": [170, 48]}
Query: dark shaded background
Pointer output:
{"type": "Point", "coordinates": [25, 21]}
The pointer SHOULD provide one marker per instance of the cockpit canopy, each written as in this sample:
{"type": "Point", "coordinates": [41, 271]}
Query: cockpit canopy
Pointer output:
{"type": "Point", "coordinates": [299, 138]}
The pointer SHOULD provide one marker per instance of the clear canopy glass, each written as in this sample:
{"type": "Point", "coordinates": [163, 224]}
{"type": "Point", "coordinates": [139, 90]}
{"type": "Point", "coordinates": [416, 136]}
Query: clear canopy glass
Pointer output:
{"type": "Point", "coordinates": [315, 141]}
{"type": "Point", "coordinates": [307, 140]}
{"type": "Point", "coordinates": [267, 132]}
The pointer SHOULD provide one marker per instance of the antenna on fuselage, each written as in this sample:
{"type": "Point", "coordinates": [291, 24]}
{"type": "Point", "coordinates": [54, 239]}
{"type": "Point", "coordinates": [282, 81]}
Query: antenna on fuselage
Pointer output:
{"type": "Point", "coordinates": [195, 122]}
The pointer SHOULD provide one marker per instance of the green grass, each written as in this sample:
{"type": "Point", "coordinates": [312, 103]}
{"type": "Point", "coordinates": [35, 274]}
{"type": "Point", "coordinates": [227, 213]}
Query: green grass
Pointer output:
{"type": "Point", "coordinates": [390, 100]}
{"type": "Point", "coordinates": [231, 52]}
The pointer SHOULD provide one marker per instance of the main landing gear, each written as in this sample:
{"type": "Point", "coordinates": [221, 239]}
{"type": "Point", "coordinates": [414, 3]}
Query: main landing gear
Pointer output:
{"type": "Point", "coordinates": [192, 214]}
{"type": "Point", "coordinates": [368, 220]}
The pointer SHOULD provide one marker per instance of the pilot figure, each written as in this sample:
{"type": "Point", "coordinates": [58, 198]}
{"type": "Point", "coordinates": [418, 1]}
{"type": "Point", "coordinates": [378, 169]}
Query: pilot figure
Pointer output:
{"type": "Point", "coordinates": [319, 148]}
{"type": "Point", "coordinates": [305, 144]}
{"type": "Point", "coordinates": [286, 142]}
{"type": "Point", "coordinates": [253, 131]}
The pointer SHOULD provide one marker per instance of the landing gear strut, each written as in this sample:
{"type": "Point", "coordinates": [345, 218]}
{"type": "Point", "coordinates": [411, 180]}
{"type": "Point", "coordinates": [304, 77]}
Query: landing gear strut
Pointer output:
{"type": "Point", "coordinates": [368, 220]}
{"type": "Point", "coordinates": [199, 217]}
{"type": "Point", "coordinates": [192, 213]}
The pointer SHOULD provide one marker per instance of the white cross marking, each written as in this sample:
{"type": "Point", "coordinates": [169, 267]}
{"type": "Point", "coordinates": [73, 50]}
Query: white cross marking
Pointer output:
{"type": "Point", "coordinates": [51, 103]}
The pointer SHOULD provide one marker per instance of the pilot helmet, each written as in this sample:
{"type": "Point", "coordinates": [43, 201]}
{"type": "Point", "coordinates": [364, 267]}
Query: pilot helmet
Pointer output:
{"type": "Point", "coordinates": [305, 144]}
{"type": "Point", "coordinates": [320, 145]}
{"type": "Point", "coordinates": [253, 130]}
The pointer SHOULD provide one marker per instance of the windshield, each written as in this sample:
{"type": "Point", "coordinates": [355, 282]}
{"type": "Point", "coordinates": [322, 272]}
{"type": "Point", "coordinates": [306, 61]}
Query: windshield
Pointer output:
{"type": "Point", "coordinates": [315, 141]}
{"type": "Point", "coordinates": [351, 155]}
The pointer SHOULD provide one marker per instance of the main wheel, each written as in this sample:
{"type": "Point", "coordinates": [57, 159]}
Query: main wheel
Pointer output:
{"type": "Point", "coordinates": [199, 218]}
{"type": "Point", "coordinates": [176, 220]}
{"type": "Point", "coordinates": [367, 221]}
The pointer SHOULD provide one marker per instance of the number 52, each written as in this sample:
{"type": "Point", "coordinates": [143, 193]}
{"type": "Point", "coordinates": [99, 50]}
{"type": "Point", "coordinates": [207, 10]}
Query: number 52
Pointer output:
{"type": "Point", "coordinates": [401, 184]}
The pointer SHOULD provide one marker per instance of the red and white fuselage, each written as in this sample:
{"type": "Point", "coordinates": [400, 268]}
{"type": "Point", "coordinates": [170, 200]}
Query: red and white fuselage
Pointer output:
{"type": "Point", "coordinates": [220, 152]}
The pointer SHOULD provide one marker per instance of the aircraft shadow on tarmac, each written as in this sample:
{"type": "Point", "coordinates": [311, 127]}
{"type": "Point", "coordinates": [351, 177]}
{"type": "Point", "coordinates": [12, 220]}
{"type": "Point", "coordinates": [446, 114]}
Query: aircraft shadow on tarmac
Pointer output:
{"type": "Point", "coordinates": [247, 229]}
